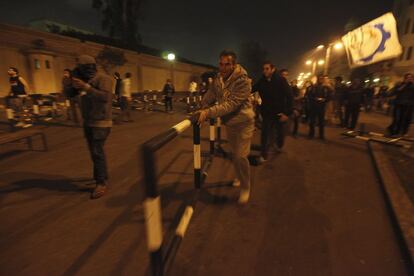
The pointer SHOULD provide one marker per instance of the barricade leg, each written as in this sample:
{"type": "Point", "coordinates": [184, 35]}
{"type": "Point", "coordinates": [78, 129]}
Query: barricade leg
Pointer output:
{"type": "Point", "coordinates": [152, 211]}
{"type": "Point", "coordinates": [212, 136]}
{"type": "Point", "coordinates": [10, 117]}
{"type": "Point", "coordinates": [54, 110]}
{"type": "Point", "coordinates": [197, 155]}
{"type": "Point", "coordinates": [68, 109]}
{"type": "Point", "coordinates": [219, 130]}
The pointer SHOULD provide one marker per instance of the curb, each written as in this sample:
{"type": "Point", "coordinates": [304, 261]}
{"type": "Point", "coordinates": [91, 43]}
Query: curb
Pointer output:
{"type": "Point", "coordinates": [399, 205]}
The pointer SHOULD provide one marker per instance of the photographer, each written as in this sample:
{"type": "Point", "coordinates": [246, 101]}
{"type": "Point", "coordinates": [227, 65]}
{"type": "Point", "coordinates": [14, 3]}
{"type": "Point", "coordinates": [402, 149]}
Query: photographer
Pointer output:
{"type": "Point", "coordinates": [95, 89]}
{"type": "Point", "coordinates": [71, 94]}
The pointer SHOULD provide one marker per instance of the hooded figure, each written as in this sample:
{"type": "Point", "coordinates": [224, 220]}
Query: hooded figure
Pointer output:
{"type": "Point", "coordinates": [95, 90]}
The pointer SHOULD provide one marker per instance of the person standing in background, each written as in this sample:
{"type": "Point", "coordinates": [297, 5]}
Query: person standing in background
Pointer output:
{"type": "Point", "coordinates": [168, 91]}
{"type": "Point", "coordinates": [125, 98]}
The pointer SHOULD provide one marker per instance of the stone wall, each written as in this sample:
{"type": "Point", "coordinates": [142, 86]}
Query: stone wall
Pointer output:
{"type": "Point", "coordinates": [41, 58]}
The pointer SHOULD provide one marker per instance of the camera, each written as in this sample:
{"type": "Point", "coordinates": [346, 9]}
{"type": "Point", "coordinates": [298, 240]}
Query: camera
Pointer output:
{"type": "Point", "coordinates": [84, 72]}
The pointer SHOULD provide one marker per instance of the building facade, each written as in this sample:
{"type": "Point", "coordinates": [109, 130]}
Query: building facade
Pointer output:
{"type": "Point", "coordinates": [404, 12]}
{"type": "Point", "coordinates": [41, 58]}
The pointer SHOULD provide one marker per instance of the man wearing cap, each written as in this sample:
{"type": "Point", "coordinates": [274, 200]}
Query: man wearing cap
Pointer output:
{"type": "Point", "coordinates": [95, 89]}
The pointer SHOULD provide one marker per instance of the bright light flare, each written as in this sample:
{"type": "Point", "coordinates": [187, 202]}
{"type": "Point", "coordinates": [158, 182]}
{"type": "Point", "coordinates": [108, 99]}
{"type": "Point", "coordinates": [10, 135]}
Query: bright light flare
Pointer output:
{"type": "Point", "coordinates": [171, 56]}
{"type": "Point", "coordinates": [338, 46]}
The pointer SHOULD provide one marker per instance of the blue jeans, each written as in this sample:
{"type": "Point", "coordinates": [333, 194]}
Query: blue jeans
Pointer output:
{"type": "Point", "coordinates": [96, 137]}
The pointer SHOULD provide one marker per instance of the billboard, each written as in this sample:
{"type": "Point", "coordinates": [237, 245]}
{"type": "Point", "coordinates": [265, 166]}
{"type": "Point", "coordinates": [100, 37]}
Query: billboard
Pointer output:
{"type": "Point", "coordinates": [373, 42]}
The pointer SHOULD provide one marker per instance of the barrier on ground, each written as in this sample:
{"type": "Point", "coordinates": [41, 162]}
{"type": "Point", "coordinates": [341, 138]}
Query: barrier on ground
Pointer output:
{"type": "Point", "coordinates": [159, 254]}
{"type": "Point", "coordinates": [369, 136]}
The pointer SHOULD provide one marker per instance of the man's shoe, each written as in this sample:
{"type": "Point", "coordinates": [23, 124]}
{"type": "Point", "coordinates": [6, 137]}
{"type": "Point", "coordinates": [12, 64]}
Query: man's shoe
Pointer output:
{"type": "Point", "coordinates": [261, 160]}
{"type": "Point", "coordinates": [244, 196]}
{"type": "Point", "coordinates": [99, 191]}
{"type": "Point", "coordinates": [236, 182]}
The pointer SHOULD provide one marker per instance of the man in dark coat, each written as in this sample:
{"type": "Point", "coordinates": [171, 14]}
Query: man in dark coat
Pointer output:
{"type": "Point", "coordinates": [277, 101]}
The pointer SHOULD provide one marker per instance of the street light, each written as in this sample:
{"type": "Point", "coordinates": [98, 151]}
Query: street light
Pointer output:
{"type": "Point", "coordinates": [171, 57]}
{"type": "Point", "coordinates": [338, 46]}
{"type": "Point", "coordinates": [308, 62]}
{"type": "Point", "coordinates": [321, 62]}
{"type": "Point", "coordinates": [320, 47]}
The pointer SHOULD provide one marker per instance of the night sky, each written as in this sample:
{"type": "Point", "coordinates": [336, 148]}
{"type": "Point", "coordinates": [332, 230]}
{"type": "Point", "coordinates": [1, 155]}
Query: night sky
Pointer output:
{"type": "Point", "coordinates": [198, 30]}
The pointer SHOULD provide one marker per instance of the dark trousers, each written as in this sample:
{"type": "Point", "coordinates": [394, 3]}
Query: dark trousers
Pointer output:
{"type": "Point", "coordinates": [168, 104]}
{"type": "Point", "coordinates": [339, 105]}
{"type": "Point", "coordinates": [295, 119]}
{"type": "Point", "coordinates": [96, 137]}
{"type": "Point", "coordinates": [402, 116]}
{"type": "Point", "coordinates": [73, 110]}
{"type": "Point", "coordinates": [125, 105]}
{"type": "Point", "coordinates": [317, 112]}
{"type": "Point", "coordinates": [272, 131]}
{"type": "Point", "coordinates": [351, 115]}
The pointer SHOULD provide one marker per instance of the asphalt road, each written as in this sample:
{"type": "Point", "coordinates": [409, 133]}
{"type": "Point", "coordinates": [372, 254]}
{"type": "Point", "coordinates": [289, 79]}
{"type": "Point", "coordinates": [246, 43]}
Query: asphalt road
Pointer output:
{"type": "Point", "coordinates": [316, 209]}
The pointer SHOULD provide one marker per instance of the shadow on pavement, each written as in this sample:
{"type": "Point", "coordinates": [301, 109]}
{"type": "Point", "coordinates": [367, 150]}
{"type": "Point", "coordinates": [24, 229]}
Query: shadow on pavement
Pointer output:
{"type": "Point", "coordinates": [39, 181]}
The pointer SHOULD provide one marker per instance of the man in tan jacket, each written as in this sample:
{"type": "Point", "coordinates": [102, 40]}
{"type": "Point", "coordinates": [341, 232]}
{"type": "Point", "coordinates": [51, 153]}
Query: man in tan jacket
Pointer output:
{"type": "Point", "coordinates": [231, 90]}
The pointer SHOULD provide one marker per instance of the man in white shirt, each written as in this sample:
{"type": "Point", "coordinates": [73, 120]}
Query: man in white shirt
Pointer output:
{"type": "Point", "coordinates": [193, 87]}
{"type": "Point", "coordinates": [125, 100]}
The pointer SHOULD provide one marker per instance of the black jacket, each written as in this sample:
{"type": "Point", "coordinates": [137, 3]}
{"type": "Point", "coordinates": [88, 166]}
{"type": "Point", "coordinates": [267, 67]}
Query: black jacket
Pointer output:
{"type": "Point", "coordinates": [354, 95]}
{"type": "Point", "coordinates": [276, 95]}
{"type": "Point", "coordinates": [168, 90]}
{"type": "Point", "coordinates": [318, 95]}
{"type": "Point", "coordinates": [404, 94]}
{"type": "Point", "coordinates": [340, 90]}
{"type": "Point", "coordinates": [96, 103]}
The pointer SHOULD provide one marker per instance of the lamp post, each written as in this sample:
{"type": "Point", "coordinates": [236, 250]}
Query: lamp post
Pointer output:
{"type": "Point", "coordinates": [171, 57]}
{"type": "Point", "coordinates": [337, 46]}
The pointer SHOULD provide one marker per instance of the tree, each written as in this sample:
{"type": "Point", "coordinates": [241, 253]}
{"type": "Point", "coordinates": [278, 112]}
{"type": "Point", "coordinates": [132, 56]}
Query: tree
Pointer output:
{"type": "Point", "coordinates": [109, 58]}
{"type": "Point", "coordinates": [120, 19]}
{"type": "Point", "coordinates": [252, 56]}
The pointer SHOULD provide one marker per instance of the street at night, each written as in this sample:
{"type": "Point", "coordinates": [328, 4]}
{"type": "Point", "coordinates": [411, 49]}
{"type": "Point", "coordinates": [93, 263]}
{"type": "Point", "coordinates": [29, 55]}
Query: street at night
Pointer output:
{"type": "Point", "coordinates": [324, 213]}
{"type": "Point", "coordinates": [161, 138]}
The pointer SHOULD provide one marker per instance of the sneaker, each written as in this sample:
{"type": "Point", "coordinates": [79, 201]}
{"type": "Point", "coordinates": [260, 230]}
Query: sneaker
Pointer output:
{"type": "Point", "coordinates": [261, 160]}
{"type": "Point", "coordinates": [244, 196]}
{"type": "Point", "coordinates": [99, 191]}
{"type": "Point", "coordinates": [236, 183]}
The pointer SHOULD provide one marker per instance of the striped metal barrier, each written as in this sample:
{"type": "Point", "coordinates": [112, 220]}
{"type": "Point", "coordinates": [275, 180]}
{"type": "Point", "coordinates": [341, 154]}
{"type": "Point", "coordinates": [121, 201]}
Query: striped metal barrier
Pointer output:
{"type": "Point", "coordinates": [160, 256]}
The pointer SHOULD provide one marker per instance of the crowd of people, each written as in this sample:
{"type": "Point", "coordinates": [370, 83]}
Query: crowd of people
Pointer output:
{"type": "Point", "coordinates": [270, 104]}
{"type": "Point", "coordinates": [274, 101]}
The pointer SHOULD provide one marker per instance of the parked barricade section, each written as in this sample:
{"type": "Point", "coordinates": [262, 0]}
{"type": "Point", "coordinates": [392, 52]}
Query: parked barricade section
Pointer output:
{"type": "Point", "coordinates": [160, 255]}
